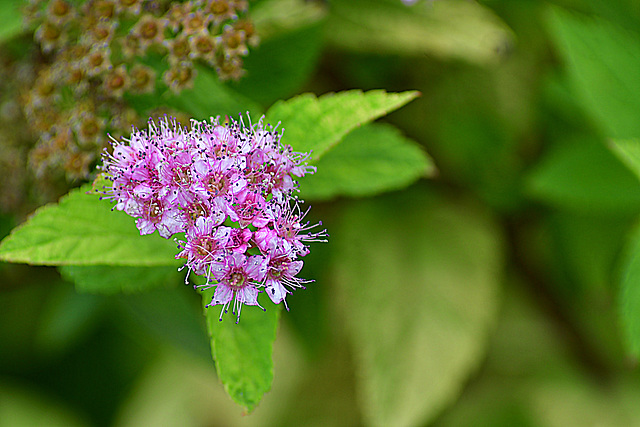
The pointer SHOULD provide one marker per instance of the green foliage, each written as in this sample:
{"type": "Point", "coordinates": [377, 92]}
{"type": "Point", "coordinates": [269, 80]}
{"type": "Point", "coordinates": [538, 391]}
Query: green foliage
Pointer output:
{"type": "Point", "coordinates": [209, 97]}
{"type": "Point", "coordinates": [318, 124]}
{"type": "Point", "coordinates": [370, 160]}
{"type": "Point", "coordinates": [108, 279]}
{"type": "Point", "coordinates": [82, 230]}
{"type": "Point", "coordinates": [10, 19]}
{"type": "Point", "coordinates": [289, 49]}
{"type": "Point", "coordinates": [585, 175]}
{"type": "Point", "coordinates": [630, 294]}
{"type": "Point", "coordinates": [20, 406]}
{"type": "Point", "coordinates": [602, 61]}
{"type": "Point", "coordinates": [242, 351]}
{"type": "Point", "coordinates": [448, 29]}
{"type": "Point", "coordinates": [399, 279]}
{"type": "Point", "coordinates": [629, 152]}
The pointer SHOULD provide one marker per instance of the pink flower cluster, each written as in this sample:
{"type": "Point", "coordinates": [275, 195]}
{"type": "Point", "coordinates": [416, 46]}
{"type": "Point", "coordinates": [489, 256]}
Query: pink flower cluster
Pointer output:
{"type": "Point", "coordinates": [229, 188]}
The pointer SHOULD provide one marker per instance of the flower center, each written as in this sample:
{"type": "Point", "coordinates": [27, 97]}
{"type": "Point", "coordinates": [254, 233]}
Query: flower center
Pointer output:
{"type": "Point", "coordinates": [236, 280]}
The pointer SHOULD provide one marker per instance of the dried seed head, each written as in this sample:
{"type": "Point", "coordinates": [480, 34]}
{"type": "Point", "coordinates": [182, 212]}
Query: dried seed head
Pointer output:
{"type": "Point", "coordinates": [50, 36]}
{"type": "Point", "coordinates": [116, 81]}
{"type": "Point", "coordinates": [203, 45]}
{"type": "Point", "coordinates": [179, 76]}
{"type": "Point", "coordinates": [143, 79]}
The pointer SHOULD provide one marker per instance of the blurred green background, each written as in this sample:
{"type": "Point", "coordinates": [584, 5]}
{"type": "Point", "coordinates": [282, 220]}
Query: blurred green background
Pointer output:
{"type": "Point", "coordinates": [498, 290]}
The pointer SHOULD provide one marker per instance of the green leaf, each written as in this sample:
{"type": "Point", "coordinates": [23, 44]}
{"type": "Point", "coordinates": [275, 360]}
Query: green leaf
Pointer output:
{"type": "Point", "coordinates": [172, 315]}
{"type": "Point", "coordinates": [584, 175]}
{"type": "Point", "coordinates": [447, 29]}
{"type": "Point", "coordinates": [603, 62]}
{"type": "Point", "coordinates": [280, 65]}
{"type": "Point", "coordinates": [629, 152]}
{"type": "Point", "coordinates": [290, 45]}
{"type": "Point", "coordinates": [370, 160]}
{"type": "Point", "coordinates": [82, 230]}
{"type": "Point", "coordinates": [242, 351]}
{"type": "Point", "coordinates": [420, 279]}
{"type": "Point", "coordinates": [630, 295]}
{"type": "Point", "coordinates": [10, 19]}
{"type": "Point", "coordinates": [24, 405]}
{"type": "Point", "coordinates": [109, 279]}
{"type": "Point", "coordinates": [318, 124]}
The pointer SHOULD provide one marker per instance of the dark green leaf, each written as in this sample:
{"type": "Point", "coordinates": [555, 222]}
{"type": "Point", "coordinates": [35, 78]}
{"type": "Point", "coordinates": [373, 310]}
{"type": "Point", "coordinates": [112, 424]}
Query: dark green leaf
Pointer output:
{"type": "Point", "coordinates": [420, 278]}
{"type": "Point", "coordinates": [172, 315]}
{"type": "Point", "coordinates": [242, 351]}
{"type": "Point", "coordinates": [370, 160]}
{"type": "Point", "coordinates": [109, 279]}
{"type": "Point", "coordinates": [290, 44]}
{"type": "Point", "coordinates": [603, 63]}
{"type": "Point", "coordinates": [82, 230]}
{"type": "Point", "coordinates": [317, 124]}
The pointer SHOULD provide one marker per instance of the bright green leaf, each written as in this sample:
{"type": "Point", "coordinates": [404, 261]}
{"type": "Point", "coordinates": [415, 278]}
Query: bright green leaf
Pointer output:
{"type": "Point", "coordinates": [10, 19]}
{"type": "Point", "coordinates": [447, 29]}
{"type": "Point", "coordinates": [420, 279]}
{"type": "Point", "coordinates": [603, 62]}
{"type": "Point", "coordinates": [318, 124]}
{"type": "Point", "coordinates": [584, 175]}
{"type": "Point", "coordinates": [370, 160]}
{"type": "Point", "coordinates": [82, 230]}
{"type": "Point", "coordinates": [242, 351]}
{"type": "Point", "coordinates": [109, 279]}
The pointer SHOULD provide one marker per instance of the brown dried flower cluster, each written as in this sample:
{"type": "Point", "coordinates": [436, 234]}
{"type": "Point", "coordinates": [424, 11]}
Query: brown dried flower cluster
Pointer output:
{"type": "Point", "coordinates": [92, 55]}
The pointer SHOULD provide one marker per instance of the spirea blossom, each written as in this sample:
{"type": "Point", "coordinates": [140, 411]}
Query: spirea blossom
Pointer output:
{"type": "Point", "coordinates": [230, 189]}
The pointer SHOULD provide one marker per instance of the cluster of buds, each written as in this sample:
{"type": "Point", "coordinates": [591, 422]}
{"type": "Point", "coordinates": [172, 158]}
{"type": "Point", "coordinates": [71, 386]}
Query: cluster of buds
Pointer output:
{"type": "Point", "coordinates": [230, 188]}
{"type": "Point", "coordinates": [95, 52]}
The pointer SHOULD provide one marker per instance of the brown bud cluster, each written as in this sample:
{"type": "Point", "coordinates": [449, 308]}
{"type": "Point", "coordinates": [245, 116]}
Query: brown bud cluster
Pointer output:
{"type": "Point", "coordinates": [88, 56]}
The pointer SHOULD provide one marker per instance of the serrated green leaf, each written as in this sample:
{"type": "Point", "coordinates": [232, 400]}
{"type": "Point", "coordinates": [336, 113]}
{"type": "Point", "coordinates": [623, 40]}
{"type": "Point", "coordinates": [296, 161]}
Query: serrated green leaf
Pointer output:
{"type": "Point", "coordinates": [603, 62]}
{"type": "Point", "coordinates": [242, 351]}
{"type": "Point", "coordinates": [420, 279]}
{"type": "Point", "coordinates": [82, 230]}
{"type": "Point", "coordinates": [447, 29]}
{"type": "Point", "coordinates": [584, 175]}
{"type": "Point", "coordinates": [10, 19]}
{"type": "Point", "coordinates": [629, 296]}
{"type": "Point", "coordinates": [370, 160]}
{"type": "Point", "coordinates": [110, 279]}
{"type": "Point", "coordinates": [318, 124]}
